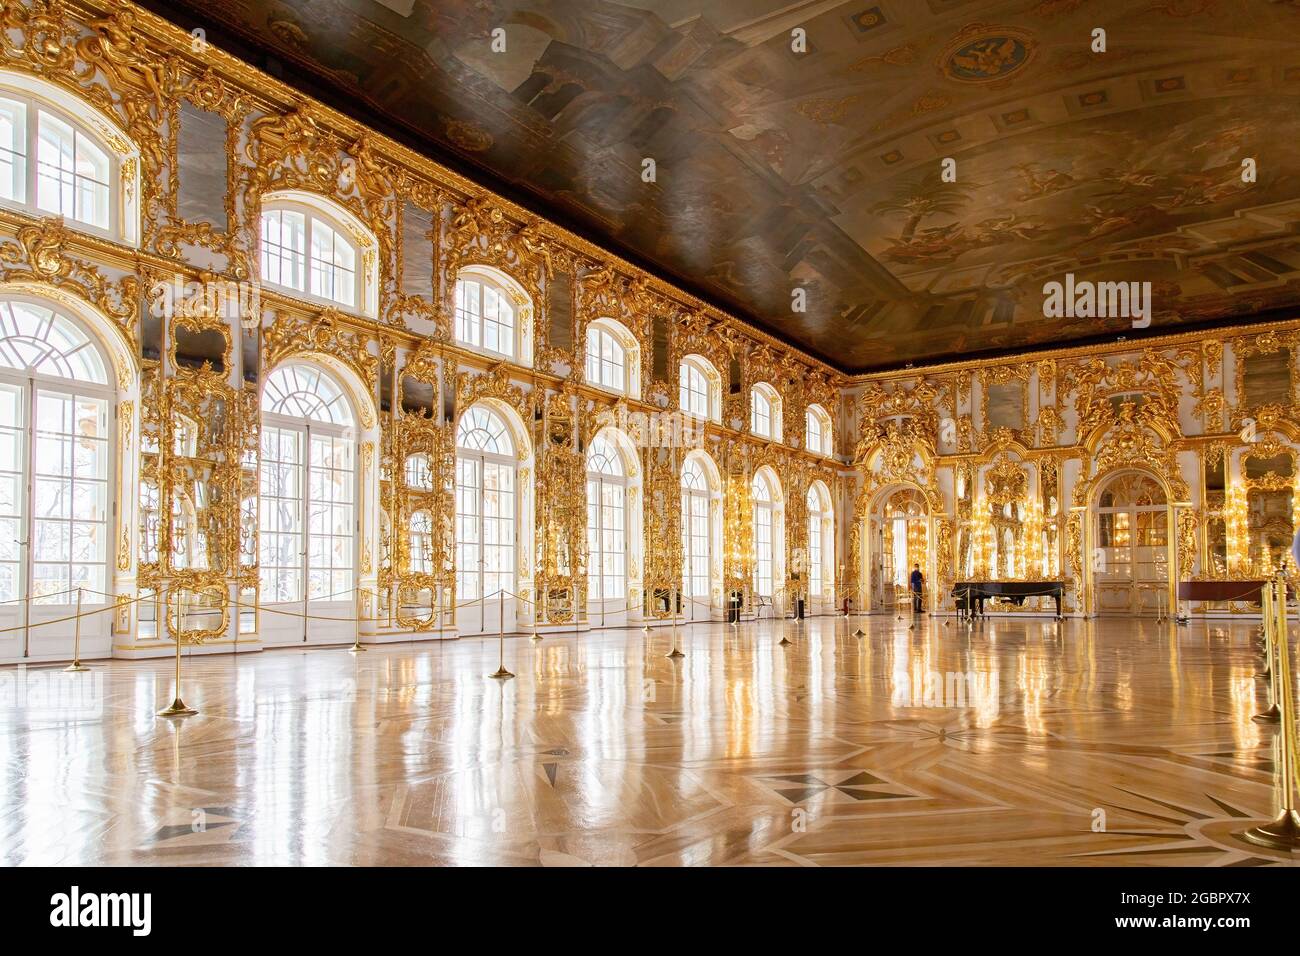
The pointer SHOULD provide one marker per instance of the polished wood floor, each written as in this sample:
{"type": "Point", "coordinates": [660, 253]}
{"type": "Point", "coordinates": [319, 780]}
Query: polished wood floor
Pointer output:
{"type": "Point", "coordinates": [1110, 742]}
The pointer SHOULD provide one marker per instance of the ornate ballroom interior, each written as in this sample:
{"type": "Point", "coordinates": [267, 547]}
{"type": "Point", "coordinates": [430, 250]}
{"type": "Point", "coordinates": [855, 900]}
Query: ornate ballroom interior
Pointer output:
{"type": "Point", "coordinates": [425, 459]}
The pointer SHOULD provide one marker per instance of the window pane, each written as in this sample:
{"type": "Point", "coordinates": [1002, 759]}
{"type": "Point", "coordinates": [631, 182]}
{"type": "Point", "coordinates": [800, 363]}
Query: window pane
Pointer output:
{"type": "Point", "coordinates": [13, 150]}
{"type": "Point", "coordinates": [284, 239]}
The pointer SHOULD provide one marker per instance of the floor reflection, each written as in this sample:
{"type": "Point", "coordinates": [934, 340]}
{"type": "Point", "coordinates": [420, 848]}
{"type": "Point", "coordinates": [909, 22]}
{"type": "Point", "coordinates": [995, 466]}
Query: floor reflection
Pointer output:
{"type": "Point", "coordinates": [946, 744]}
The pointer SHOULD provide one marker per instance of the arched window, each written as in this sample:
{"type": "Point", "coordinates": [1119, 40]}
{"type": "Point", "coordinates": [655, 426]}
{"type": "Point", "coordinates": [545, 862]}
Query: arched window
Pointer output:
{"type": "Point", "coordinates": [493, 314]}
{"type": "Point", "coordinates": [606, 521]}
{"type": "Point", "coordinates": [765, 501]}
{"type": "Point", "coordinates": [697, 530]}
{"type": "Point", "coordinates": [700, 388]}
{"type": "Point", "coordinates": [307, 527]}
{"type": "Point", "coordinates": [485, 505]}
{"type": "Point", "coordinates": [817, 431]}
{"type": "Point", "coordinates": [318, 251]}
{"type": "Point", "coordinates": [765, 412]}
{"type": "Point", "coordinates": [613, 358]}
{"type": "Point", "coordinates": [821, 541]}
{"type": "Point", "coordinates": [56, 449]}
{"type": "Point", "coordinates": [59, 157]}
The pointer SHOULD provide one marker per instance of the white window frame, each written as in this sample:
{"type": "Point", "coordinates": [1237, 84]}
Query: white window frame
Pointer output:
{"type": "Point", "coordinates": [478, 460]}
{"type": "Point", "coordinates": [606, 496]}
{"type": "Point", "coordinates": [27, 462]}
{"type": "Point", "coordinates": [120, 200]}
{"type": "Point", "coordinates": [317, 212]}
{"type": "Point", "coordinates": [765, 411]}
{"type": "Point", "coordinates": [697, 504]}
{"type": "Point", "coordinates": [821, 541]}
{"type": "Point", "coordinates": [705, 402]}
{"type": "Point", "coordinates": [764, 517]}
{"type": "Point", "coordinates": [470, 329]}
{"type": "Point", "coordinates": [309, 431]}
{"type": "Point", "coordinates": [824, 443]}
{"type": "Point", "coordinates": [606, 337]}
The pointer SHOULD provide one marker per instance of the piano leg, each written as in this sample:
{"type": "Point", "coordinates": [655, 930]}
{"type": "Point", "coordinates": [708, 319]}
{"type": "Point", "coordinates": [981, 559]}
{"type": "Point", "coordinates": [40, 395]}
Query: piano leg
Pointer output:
{"type": "Point", "coordinates": [1056, 596]}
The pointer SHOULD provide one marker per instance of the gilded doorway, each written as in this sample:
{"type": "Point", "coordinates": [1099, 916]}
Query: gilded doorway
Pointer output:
{"type": "Point", "coordinates": [1131, 560]}
{"type": "Point", "coordinates": [903, 529]}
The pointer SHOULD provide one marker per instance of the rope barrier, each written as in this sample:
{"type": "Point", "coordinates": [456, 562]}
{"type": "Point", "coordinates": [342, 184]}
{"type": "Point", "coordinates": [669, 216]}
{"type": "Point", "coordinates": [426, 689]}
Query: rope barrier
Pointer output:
{"type": "Point", "coordinates": [71, 617]}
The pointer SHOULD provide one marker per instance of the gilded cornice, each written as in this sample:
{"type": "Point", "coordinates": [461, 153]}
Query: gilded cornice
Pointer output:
{"type": "Point", "coordinates": [1172, 340]}
{"type": "Point", "coordinates": [277, 97]}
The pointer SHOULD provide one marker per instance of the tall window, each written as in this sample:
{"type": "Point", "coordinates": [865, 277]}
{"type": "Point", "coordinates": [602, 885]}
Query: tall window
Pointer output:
{"type": "Point", "coordinates": [820, 539]}
{"type": "Point", "coordinates": [606, 521]}
{"type": "Point", "coordinates": [485, 505]}
{"type": "Point", "coordinates": [307, 525]}
{"type": "Point", "coordinates": [696, 530]}
{"type": "Point", "coordinates": [699, 391]}
{"type": "Point", "coordinates": [606, 360]}
{"type": "Point", "coordinates": [55, 457]}
{"type": "Point", "coordinates": [312, 254]}
{"type": "Point", "coordinates": [71, 174]}
{"type": "Point", "coordinates": [485, 316]}
{"type": "Point", "coordinates": [765, 412]}
{"type": "Point", "coordinates": [764, 534]}
{"type": "Point", "coordinates": [817, 431]}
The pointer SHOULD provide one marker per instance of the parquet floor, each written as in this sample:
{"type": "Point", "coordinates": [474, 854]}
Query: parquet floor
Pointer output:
{"type": "Point", "coordinates": [1015, 741]}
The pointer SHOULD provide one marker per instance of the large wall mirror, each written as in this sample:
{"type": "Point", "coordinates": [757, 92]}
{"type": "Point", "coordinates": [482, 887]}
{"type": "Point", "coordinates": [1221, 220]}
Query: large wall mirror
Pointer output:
{"type": "Point", "coordinates": [1266, 379]}
{"type": "Point", "coordinates": [1269, 480]}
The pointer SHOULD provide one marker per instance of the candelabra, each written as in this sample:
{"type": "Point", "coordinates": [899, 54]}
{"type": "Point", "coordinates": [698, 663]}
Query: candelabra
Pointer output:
{"type": "Point", "coordinates": [982, 538]}
{"type": "Point", "coordinates": [1236, 521]}
{"type": "Point", "coordinates": [1034, 564]}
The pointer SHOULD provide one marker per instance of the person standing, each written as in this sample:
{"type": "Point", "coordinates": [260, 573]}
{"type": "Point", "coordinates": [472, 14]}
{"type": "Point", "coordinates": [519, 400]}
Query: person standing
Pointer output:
{"type": "Point", "coordinates": [918, 587]}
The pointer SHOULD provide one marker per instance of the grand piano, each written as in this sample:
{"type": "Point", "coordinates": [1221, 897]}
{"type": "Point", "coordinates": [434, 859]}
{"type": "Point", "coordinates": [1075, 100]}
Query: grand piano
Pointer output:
{"type": "Point", "coordinates": [972, 594]}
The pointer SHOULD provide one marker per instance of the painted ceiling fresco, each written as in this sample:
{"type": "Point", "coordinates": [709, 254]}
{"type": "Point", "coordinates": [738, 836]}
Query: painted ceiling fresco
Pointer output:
{"type": "Point", "coordinates": [820, 170]}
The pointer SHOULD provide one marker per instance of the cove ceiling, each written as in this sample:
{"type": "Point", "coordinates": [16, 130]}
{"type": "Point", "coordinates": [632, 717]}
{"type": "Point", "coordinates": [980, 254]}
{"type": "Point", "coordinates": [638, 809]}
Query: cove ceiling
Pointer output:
{"type": "Point", "coordinates": [821, 170]}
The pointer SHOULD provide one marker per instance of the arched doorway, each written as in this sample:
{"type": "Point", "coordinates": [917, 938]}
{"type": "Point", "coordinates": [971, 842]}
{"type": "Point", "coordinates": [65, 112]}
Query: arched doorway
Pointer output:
{"type": "Point", "coordinates": [494, 517]}
{"type": "Point", "coordinates": [821, 548]}
{"type": "Point", "coordinates": [57, 479]}
{"type": "Point", "coordinates": [769, 534]}
{"type": "Point", "coordinates": [613, 528]}
{"type": "Point", "coordinates": [1132, 535]}
{"type": "Point", "coordinates": [902, 541]}
{"type": "Point", "coordinates": [308, 504]}
{"type": "Point", "coordinates": [701, 532]}
{"type": "Point", "coordinates": [487, 512]}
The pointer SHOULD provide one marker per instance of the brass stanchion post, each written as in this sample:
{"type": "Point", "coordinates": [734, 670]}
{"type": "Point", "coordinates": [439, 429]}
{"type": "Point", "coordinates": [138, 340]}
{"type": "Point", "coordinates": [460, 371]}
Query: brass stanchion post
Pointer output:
{"type": "Point", "coordinates": [501, 673]}
{"type": "Point", "coordinates": [1268, 598]}
{"type": "Point", "coordinates": [1283, 833]}
{"type": "Point", "coordinates": [356, 647]}
{"type": "Point", "coordinates": [675, 652]}
{"type": "Point", "coordinates": [76, 664]}
{"type": "Point", "coordinates": [178, 707]}
{"type": "Point", "coordinates": [785, 628]}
